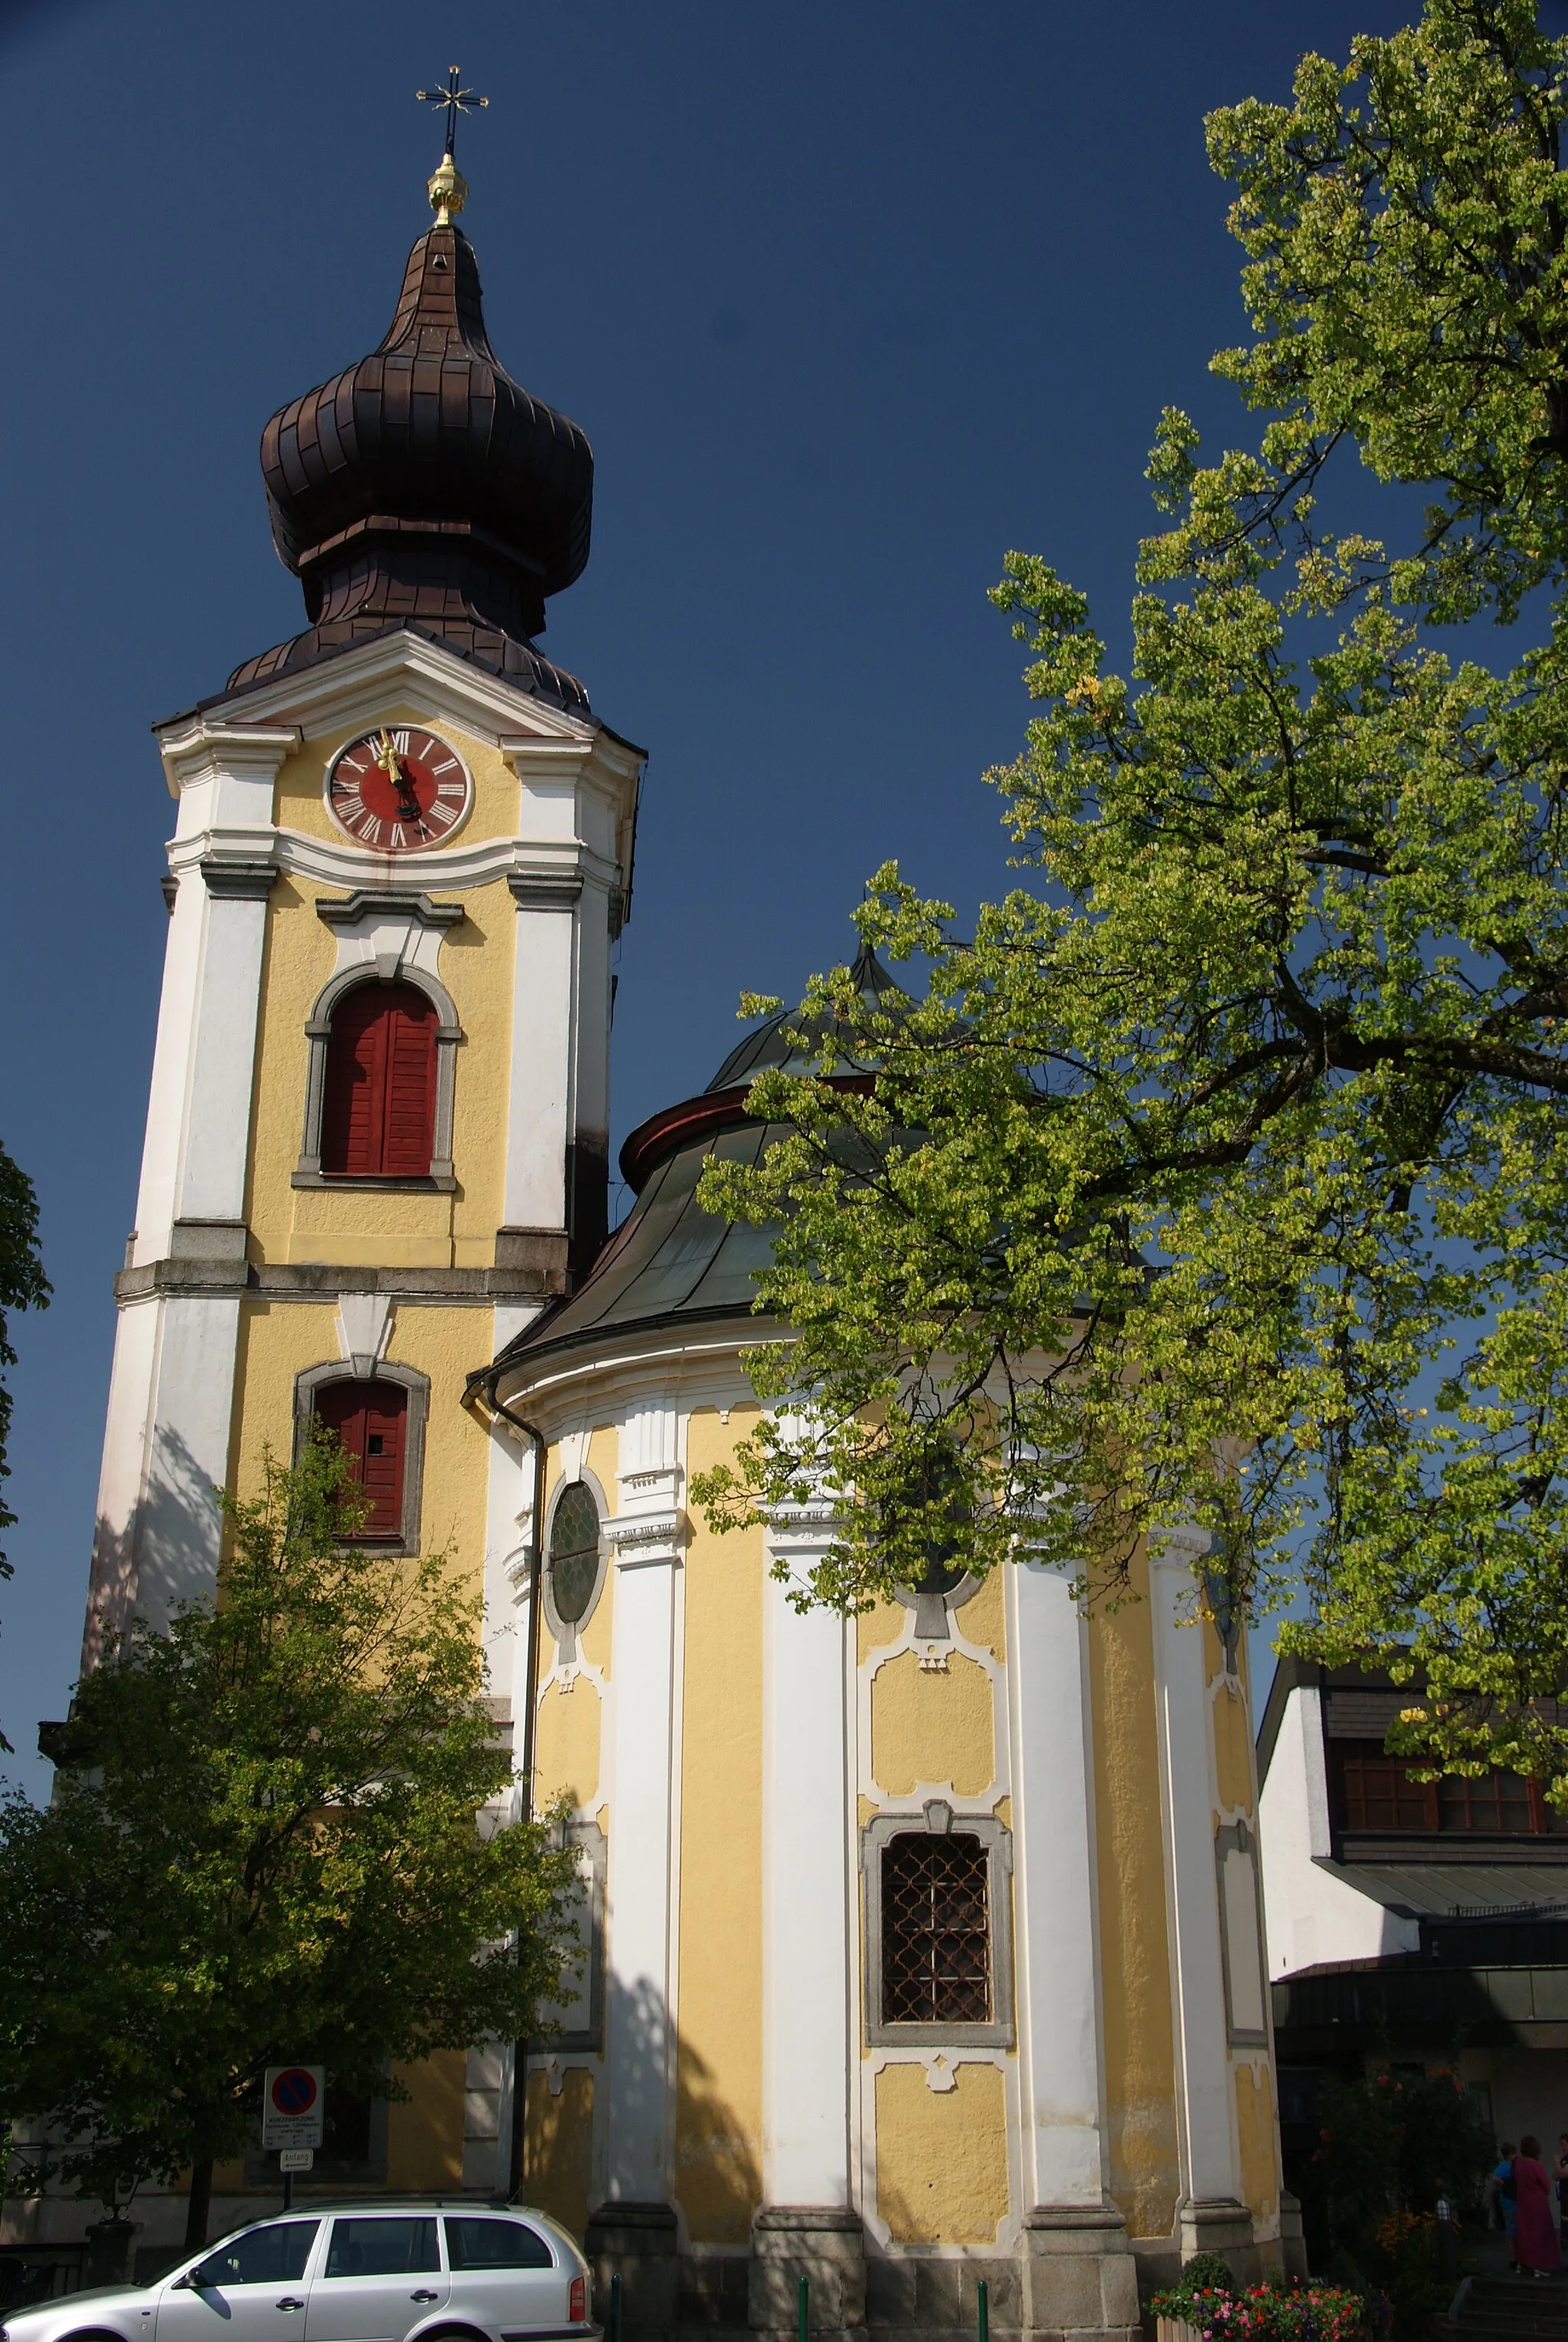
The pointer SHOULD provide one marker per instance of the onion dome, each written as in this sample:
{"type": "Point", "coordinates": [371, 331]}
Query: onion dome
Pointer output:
{"type": "Point", "coordinates": [423, 486]}
{"type": "Point", "coordinates": [670, 1263]}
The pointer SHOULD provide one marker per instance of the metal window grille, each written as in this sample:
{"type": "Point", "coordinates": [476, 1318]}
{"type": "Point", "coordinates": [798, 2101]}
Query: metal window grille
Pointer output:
{"type": "Point", "coordinates": [935, 1931]}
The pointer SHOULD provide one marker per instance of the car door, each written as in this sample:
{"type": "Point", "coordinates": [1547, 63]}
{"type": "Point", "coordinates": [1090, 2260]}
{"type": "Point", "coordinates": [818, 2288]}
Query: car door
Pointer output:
{"type": "Point", "coordinates": [382, 2274]}
{"type": "Point", "coordinates": [505, 2274]}
{"type": "Point", "coordinates": [254, 2288]}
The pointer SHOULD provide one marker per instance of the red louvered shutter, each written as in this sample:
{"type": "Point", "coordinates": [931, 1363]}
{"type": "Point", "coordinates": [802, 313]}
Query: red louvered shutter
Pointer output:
{"type": "Point", "coordinates": [379, 1112]}
{"type": "Point", "coordinates": [409, 1127]}
{"type": "Point", "coordinates": [371, 1421]}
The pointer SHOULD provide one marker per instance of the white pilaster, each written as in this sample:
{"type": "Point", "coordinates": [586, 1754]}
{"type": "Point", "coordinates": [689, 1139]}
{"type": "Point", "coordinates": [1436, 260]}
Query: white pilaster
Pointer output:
{"type": "Point", "coordinates": [211, 1175]}
{"type": "Point", "coordinates": [646, 1542]}
{"type": "Point", "coordinates": [806, 1919]}
{"type": "Point", "coordinates": [539, 1105]}
{"type": "Point", "coordinates": [1054, 1886]}
{"type": "Point", "coordinates": [1210, 2155]}
{"type": "Point", "coordinates": [165, 1449]}
{"type": "Point", "coordinates": [199, 1111]}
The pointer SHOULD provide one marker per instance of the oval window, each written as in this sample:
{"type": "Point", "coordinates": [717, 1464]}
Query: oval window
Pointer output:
{"type": "Point", "coordinates": [573, 1553]}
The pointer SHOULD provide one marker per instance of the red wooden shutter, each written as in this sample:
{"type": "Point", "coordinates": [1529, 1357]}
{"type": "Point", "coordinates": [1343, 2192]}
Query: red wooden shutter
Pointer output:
{"type": "Point", "coordinates": [379, 1112]}
{"type": "Point", "coordinates": [371, 1421]}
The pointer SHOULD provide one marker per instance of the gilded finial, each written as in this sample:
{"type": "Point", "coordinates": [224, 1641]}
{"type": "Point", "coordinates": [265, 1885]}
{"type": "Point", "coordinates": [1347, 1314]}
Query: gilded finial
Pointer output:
{"type": "Point", "coordinates": [449, 192]}
{"type": "Point", "coordinates": [448, 188]}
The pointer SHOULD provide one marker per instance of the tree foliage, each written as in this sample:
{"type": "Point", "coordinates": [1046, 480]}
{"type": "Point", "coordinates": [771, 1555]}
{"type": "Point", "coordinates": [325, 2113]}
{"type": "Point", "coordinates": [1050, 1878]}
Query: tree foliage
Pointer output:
{"type": "Point", "coordinates": [1219, 1176]}
{"type": "Point", "coordinates": [23, 1286]}
{"type": "Point", "coordinates": [1395, 2141]}
{"type": "Point", "coordinates": [269, 1841]}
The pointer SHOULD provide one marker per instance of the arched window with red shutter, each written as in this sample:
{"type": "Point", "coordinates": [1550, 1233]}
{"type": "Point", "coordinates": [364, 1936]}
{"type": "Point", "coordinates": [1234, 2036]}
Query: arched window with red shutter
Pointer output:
{"type": "Point", "coordinates": [378, 1102]}
{"type": "Point", "coordinates": [371, 1418]}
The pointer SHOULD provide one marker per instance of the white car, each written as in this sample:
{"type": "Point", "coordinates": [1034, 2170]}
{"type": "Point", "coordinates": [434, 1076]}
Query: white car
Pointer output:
{"type": "Point", "coordinates": [385, 2272]}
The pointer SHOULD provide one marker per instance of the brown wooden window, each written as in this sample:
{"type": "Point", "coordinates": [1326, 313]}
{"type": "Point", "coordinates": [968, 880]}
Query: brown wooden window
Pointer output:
{"type": "Point", "coordinates": [935, 1931]}
{"type": "Point", "coordinates": [1374, 1791]}
{"type": "Point", "coordinates": [378, 1109]}
{"type": "Point", "coordinates": [371, 1418]}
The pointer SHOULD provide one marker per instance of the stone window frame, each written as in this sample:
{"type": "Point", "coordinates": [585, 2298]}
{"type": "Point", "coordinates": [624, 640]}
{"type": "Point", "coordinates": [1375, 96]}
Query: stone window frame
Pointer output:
{"type": "Point", "coordinates": [417, 1386]}
{"type": "Point", "coordinates": [938, 1815]}
{"type": "Point", "coordinates": [1237, 1837]}
{"type": "Point", "coordinates": [568, 1634]}
{"type": "Point", "coordinates": [440, 1177]}
{"type": "Point", "coordinates": [590, 1839]}
{"type": "Point", "coordinates": [933, 1610]}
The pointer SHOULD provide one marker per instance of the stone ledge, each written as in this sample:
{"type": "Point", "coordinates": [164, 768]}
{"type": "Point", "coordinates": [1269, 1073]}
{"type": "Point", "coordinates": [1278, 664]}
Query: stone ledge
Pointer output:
{"type": "Point", "coordinates": [324, 1281]}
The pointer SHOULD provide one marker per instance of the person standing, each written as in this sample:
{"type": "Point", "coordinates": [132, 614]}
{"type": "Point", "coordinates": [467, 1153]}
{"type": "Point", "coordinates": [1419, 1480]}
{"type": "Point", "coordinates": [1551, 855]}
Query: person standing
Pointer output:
{"type": "Point", "coordinates": [1534, 2216]}
{"type": "Point", "coordinates": [1502, 2191]}
{"type": "Point", "coordinates": [1561, 2176]}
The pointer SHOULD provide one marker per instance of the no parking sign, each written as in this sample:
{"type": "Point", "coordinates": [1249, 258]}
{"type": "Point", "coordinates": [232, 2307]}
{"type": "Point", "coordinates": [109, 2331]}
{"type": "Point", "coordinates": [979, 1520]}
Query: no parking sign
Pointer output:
{"type": "Point", "coordinates": [293, 2102]}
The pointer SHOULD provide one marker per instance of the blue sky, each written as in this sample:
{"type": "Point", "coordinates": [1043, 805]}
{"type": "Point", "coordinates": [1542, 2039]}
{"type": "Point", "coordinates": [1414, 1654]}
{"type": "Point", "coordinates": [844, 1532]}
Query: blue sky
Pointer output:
{"type": "Point", "coordinates": [849, 299]}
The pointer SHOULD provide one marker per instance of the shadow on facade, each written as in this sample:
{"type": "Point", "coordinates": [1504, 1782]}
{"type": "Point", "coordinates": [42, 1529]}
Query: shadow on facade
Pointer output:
{"type": "Point", "coordinates": [712, 2169]}
{"type": "Point", "coordinates": [165, 1554]}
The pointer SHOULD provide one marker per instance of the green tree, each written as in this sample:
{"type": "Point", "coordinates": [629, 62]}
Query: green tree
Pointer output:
{"type": "Point", "coordinates": [23, 1286]}
{"type": "Point", "coordinates": [1394, 2141]}
{"type": "Point", "coordinates": [273, 1836]}
{"type": "Point", "coordinates": [1220, 1176]}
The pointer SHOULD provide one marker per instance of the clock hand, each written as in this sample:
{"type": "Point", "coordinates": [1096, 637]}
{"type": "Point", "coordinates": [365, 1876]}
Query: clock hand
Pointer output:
{"type": "Point", "coordinates": [396, 771]}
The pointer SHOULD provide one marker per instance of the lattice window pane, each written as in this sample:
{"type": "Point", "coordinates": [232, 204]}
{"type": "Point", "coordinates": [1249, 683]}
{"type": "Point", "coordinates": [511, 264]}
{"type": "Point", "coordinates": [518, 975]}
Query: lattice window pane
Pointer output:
{"type": "Point", "coordinates": [935, 1931]}
{"type": "Point", "coordinates": [573, 1552]}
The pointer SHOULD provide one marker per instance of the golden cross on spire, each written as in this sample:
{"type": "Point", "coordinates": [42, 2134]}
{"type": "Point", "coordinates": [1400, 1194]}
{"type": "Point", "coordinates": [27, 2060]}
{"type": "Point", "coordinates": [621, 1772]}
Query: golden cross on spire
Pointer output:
{"type": "Point", "coordinates": [448, 188]}
{"type": "Point", "coordinates": [456, 100]}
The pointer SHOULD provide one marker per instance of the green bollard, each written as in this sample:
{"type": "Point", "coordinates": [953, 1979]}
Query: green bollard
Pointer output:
{"type": "Point", "coordinates": [802, 2307]}
{"type": "Point", "coordinates": [985, 2294]}
{"type": "Point", "coordinates": [615, 2320]}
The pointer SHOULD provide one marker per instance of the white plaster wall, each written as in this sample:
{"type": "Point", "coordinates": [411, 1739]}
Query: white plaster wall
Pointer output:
{"type": "Point", "coordinates": [1312, 1914]}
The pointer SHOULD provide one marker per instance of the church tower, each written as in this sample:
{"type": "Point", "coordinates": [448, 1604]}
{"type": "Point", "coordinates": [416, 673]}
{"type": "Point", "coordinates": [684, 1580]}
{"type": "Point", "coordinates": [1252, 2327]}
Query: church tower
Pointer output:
{"type": "Point", "coordinates": [376, 1135]}
{"type": "Point", "coordinates": [377, 1129]}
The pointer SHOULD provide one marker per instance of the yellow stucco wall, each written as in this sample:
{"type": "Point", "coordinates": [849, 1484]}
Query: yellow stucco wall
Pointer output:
{"type": "Point", "coordinates": [982, 1620]}
{"type": "Point", "coordinates": [933, 1728]}
{"type": "Point", "coordinates": [719, 2048]}
{"type": "Point", "coordinates": [566, 1750]}
{"type": "Point", "coordinates": [279, 1339]}
{"type": "Point", "coordinates": [394, 1228]}
{"type": "Point", "coordinates": [559, 2146]}
{"type": "Point", "coordinates": [1140, 2052]}
{"type": "Point", "coordinates": [1233, 1750]}
{"type": "Point", "coordinates": [874, 1629]}
{"type": "Point", "coordinates": [1259, 2138]}
{"type": "Point", "coordinates": [425, 2134]}
{"type": "Point", "coordinates": [941, 2156]}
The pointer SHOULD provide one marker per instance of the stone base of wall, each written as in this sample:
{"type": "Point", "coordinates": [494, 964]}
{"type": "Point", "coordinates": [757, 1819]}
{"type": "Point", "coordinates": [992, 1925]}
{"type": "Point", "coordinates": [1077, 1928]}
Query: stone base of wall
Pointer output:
{"type": "Point", "coordinates": [1073, 2280]}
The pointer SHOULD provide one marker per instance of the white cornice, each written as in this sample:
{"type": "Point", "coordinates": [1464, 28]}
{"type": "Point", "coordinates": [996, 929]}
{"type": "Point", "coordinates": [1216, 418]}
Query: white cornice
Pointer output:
{"type": "Point", "coordinates": [702, 1369]}
{"type": "Point", "coordinates": [205, 749]}
{"type": "Point", "coordinates": [479, 862]}
{"type": "Point", "coordinates": [352, 687]}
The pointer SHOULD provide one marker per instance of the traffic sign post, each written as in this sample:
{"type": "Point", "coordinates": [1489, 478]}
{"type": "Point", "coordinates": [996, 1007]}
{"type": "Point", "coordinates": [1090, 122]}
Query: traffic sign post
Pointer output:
{"type": "Point", "coordinates": [293, 2108]}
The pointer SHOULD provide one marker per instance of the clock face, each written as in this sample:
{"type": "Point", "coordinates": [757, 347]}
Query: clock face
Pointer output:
{"type": "Point", "coordinates": [398, 790]}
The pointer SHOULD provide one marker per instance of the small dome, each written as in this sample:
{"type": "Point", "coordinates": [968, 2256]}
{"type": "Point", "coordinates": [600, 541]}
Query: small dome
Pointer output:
{"type": "Point", "coordinates": [768, 1046]}
{"type": "Point", "coordinates": [422, 485]}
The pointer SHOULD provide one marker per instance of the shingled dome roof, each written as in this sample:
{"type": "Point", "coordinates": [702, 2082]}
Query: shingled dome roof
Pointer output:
{"type": "Point", "coordinates": [422, 485]}
{"type": "Point", "coordinates": [671, 1263]}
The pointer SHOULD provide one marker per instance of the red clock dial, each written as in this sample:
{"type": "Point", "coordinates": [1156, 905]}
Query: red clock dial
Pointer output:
{"type": "Point", "coordinates": [397, 789]}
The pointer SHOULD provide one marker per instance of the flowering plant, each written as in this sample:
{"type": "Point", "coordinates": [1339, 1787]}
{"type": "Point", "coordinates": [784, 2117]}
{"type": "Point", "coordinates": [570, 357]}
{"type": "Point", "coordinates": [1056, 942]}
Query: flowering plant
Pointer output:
{"type": "Point", "coordinates": [1261, 2313]}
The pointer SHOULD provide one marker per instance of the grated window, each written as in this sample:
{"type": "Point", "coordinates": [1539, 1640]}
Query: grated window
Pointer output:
{"type": "Point", "coordinates": [935, 1931]}
{"type": "Point", "coordinates": [573, 1553]}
